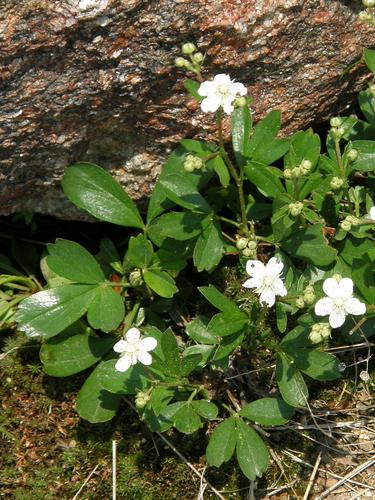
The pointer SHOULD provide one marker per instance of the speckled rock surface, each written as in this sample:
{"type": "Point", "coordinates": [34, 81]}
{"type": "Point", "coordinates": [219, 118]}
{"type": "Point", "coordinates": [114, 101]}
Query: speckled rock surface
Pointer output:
{"type": "Point", "coordinates": [94, 80]}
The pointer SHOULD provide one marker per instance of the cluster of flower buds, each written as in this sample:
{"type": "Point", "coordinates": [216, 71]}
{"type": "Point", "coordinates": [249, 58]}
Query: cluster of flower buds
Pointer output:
{"type": "Point", "coordinates": [352, 154]}
{"type": "Point", "coordinates": [295, 173]}
{"type": "Point", "coordinates": [192, 163]}
{"type": "Point", "coordinates": [336, 183]}
{"type": "Point", "coordinates": [348, 222]}
{"type": "Point", "coordinates": [295, 208]}
{"type": "Point", "coordinates": [246, 246]}
{"type": "Point", "coordinates": [337, 130]}
{"type": "Point", "coordinates": [195, 61]}
{"type": "Point", "coordinates": [141, 399]}
{"type": "Point", "coordinates": [366, 16]}
{"type": "Point", "coordinates": [135, 278]}
{"type": "Point", "coordinates": [320, 332]}
{"type": "Point", "coordinates": [309, 295]}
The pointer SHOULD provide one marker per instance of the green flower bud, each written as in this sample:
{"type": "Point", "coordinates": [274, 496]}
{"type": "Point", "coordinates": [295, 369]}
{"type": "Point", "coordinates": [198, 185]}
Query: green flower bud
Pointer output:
{"type": "Point", "coordinates": [309, 289]}
{"type": "Point", "coordinates": [240, 102]}
{"type": "Point", "coordinates": [198, 57]}
{"type": "Point", "coordinates": [354, 221]}
{"type": "Point", "coordinates": [295, 208]}
{"type": "Point", "coordinates": [247, 252]}
{"type": "Point", "coordinates": [315, 337]}
{"type": "Point", "coordinates": [345, 225]}
{"type": "Point", "coordinates": [305, 166]}
{"type": "Point", "coordinates": [372, 89]}
{"type": "Point", "coordinates": [135, 278]}
{"type": "Point", "coordinates": [296, 172]}
{"type": "Point", "coordinates": [192, 162]}
{"type": "Point", "coordinates": [241, 243]}
{"type": "Point", "coordinates": [364, 16]}
{"type": "Point", "coordinates": [335, 122]}
{"type": "Point", "coordinates": [252, 245]}
{"type": "Point", "coordinates": [188, 48]}
{"type": "Point", "coordinates": [309, 298]}
{"type": "Point", "coordinates": [141, 399]}
{"type": "Point", "coordinates": [368, 3]}
{"type": "Point", "coordinates": [300, 303]}
{"type": "Point", "coordinates": [181, 62]}
{"type": "Point", "coordinates": [337, 132]}
{"type": "Point", "coordinates": [319, 332]}
{"type": "Point", "coordinates": [336, 183]}
{"type": "Point", "coordinates": [198, 163]}
{"type": "Point", "coordinates": [352, 154]}
{"type": "Point", "coordinates": [287, 173]}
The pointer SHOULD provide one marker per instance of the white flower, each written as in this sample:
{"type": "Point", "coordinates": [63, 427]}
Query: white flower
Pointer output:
{"type": "Point", "coordinates": [339, 301]}
{"type": "Point", "coordinates": [372, 213]}
{"type": "Point", "coordinates": [266, 279]}
{"type": "Point", "coordinates": [134, 349]}
{"type": "Point", "coordinates": [221, 91]}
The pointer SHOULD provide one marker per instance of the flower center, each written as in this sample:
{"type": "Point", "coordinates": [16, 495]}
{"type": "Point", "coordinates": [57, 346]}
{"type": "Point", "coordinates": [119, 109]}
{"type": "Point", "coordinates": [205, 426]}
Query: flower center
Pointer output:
{"type": "Point", "coordinates": [268, 280]}
{"type": "Point", "coordinates": [222, 89]}
{"type": "Point", "coordinates": [339, 302]}
{"type": "Point", "coordinates": [131, 348]}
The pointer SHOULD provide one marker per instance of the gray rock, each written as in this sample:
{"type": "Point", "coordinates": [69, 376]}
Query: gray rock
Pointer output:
{"type": "Point", "coordinates": [94, 80]}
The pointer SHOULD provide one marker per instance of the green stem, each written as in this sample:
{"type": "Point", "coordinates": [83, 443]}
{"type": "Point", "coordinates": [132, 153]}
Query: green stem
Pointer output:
{"type": "Point", "coordinates": [343, 173]}
{"type": "Point", "coordinates": [228, 221]}
{"type": "Point", "coordinates": [130, 317]}
{"type": "Point", "coordinates": [238, 178]}
{"type": "Point", "coordinates": [123, 284]}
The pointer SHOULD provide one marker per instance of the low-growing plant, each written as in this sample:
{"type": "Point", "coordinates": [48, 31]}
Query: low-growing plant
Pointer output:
{"type": "Point", "coordinates": [296, 224]}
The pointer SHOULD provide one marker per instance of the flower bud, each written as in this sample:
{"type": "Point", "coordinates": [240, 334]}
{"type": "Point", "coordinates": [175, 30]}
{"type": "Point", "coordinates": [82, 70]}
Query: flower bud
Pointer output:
{"type": "Point", "coordinates": [364, 376]}
{"type": "Point", "coordinates": [300, 303]}
{"type": "Point", "coordinates": [247, 252]}
{"type": "Point", "coordinates": [319, 332]}
{"type": "Point", "coordinates": [345, 225]}
{"type": "Point", "coordinates": [141, 399]}
{"type": "Point", "coordinates": [309, 298]}
{"type": "Point", "coordinates": [364, 16]}
{"type": "Point", "coordinates": [181, 62]}
{"type": "Point", "coordinates": [295, 208]}
{"type": "Point", "coordinates": [296, 172]}
{"type": "Point", "coordinates": [198, 57]}
{"type": "Point", "coordinates": [309, 289]}
{"type": "Point", "coordinates": [337, 132]}
{"type": "Point", "coordinates": [352, 154]}
{"type": "Point", "coordinates": [135, 278]}
{"type": "Point", "coordinates": [341, 367]}
{"type": "Point", "coordinates": [336, 183]}
{"type": "Point", "coordinates": [252, 245]}
{"type": "Point", "coordinates": [192, 162]}
{"type": "Point", "coordinates": [305, 166]}
{"type": "Point", "coordinates": [287, 173]}
{"type": "Point", "coordinates": [240, 102]}
{"type": "Point", "coordinates": [354, 221]}
{"type": "Point", "coordinates": [372, 90]}
{"type": "Point", "coordinates": [368, 3]}
{"type": "Point", "coordinates": [335, 122]}
{"type": "Point", "coordinates": [188, 48]}
{"type": "Point", "coordinates": [241, 243]}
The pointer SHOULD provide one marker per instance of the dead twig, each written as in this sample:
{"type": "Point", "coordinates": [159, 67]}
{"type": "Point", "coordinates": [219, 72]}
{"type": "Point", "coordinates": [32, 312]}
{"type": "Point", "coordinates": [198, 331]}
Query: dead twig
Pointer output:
{"type": "Point", "coordinates": [312, 477]}
{"type": "Point", "coordinates": [85, 482]}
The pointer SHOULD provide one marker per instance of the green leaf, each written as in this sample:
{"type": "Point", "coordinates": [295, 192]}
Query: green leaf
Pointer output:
{"type": "Point", "coordinates": [222, 443]}
{"type": "Point", "coordinates": [290, 381]}
{"type": "Point", "coordinates": [271, 151]}
{"type": "Point", "coordinates": [182, 191]}
{"type": "Point", "coordinates": [264, 132]}
{"type": "Point", "coordinates": [252, 453]}
{"type": "Point", "coordinates": [73, 350]}
{"type": "Point", "coordinates": [227, 346]}
{"type": "Point", "coordinates": [218, 300]}
{"type": "Point", "coordinates": [366, 157]}
{"type": "Point", "coordinates": [176, 225]}
{"type": "Point", "coordinates": [140, 251]}
{"type": "Point", "coordinates": [226, 323]}
{"type": "Point", "coordinates": [205, 409]}
{"type": "Point", "coordinates": [364, 278]}
{"type": "Point", "coordinates": [73, 262]}
{"type": "Point", "coordinates": [316, 364]}
{"type": "Point", "coordinates": [131, 381]}
{"type": "Point", "coordinates": [309, 244]}
{"type": "Point", "coordinates": [192, 87]}
{"type": "Point", "coordinates": [198, 331]}
{"type": "Point", "coordinates": [94, 403]}
{"type": "Point", "coordinates": [221, 170]}
{"type": "Point", "coordinates": [209, 248]}
{"type": "Point", "coordinates": [186, 419]}
{"type": "Point", "coordinates": [305, 145]}
{"type": "Point", "coordinates": [281, 317]}
{"type": "Point", "coordinates": [160, 397]}
{"type": "Point", "coordinates": [199, 147]}
{"type": "Point", "coordinates": [93, 189]}
{"type": "Point", "coordinates": [268, 411]}
{"type": "Point", "coordinates": [172, 364]}
{"type": "Point", "coordinates": [161, 282]}
{"type": "Point", "coordinates": [353, 248]}
{"type": "Point", "coordinates": [106, 310]}
{"type": "Point", "coordinates": [241, 123]}
{"type": "Point", "coordinates": [369, 57]}
{"type": "Point", "coordinates": [49, 312]}
{"type": "Point", "coordinates": [266, 179]}
{"type": "Point", "coordinates": [367, 104]}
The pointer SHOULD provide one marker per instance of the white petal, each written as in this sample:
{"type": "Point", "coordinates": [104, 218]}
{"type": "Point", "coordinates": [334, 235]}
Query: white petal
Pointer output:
{"type": "Point", "coordinates": [144, 357]}
{"type": "Point", "coordinates": [120, 346]}
{"type": "Point", "coordinates": [267, 297]}
{"type": "Point", "coordinates": [346, 287]}
{"type": "Point", "coordinates": [279, 288]}
{"type": "Point", "coordinates": [210, 104]}
{"type": "Point", "coordinates": [337, 317]}
{"type": "Point", "coordinates": [147, 344]}
{"type": "Point", "coordinates": [331, 288]}
{"type": "Point", "coordinates": [123, 363]}
{"type": "Point", "coordinates": [238, 88]}
{"type": "Point", "coordinates": [133, 335]}
{"type": "Point", "coordinates": [253, 283]}
{"type": "Point", "coordinates": [222, 79]}
{"type": "Point", "coordinates": [228, 106]}
{"type": "Point", "coordinates": [274, 266]}
{"type": "Point", "coordinates": [355, 306]}
{"type": "Point", "coordinates": [255, 268]}
{"type": "Point", "coordinates": [372, 213]}
{"type": "Point", "coordinates": [206, 88]}
{"type": "Point", "coordinates": [324, 306]}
